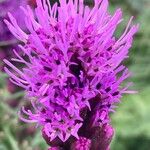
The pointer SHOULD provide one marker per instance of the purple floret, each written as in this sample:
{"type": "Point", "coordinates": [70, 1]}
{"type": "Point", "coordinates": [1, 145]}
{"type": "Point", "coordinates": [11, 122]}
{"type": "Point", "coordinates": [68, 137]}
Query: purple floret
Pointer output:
{"type": "Point", "coordinates": [13, 7]}
{"type": "Point", "coordinates": [74, 73]}
{"type": "Point", "coordinates": [81, 144]}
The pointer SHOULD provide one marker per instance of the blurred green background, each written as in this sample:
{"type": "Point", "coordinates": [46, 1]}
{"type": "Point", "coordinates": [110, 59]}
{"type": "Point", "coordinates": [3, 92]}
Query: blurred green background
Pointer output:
{"type": "Point", "coordinates": [132, 117]}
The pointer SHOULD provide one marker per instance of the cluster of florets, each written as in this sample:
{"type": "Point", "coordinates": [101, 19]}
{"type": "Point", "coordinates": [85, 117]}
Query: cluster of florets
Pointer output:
{"type": "Point", "coordinates": [73, 64]}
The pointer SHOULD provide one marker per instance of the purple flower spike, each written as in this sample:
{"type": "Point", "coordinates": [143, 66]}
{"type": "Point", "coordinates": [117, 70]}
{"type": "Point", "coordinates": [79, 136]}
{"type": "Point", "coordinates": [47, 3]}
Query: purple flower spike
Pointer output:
{"type": "Point", "coordinates": [73, 73]}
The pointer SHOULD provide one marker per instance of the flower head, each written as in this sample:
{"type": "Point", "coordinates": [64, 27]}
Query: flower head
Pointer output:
{"type": "Point", "coordinates": [72, 75]}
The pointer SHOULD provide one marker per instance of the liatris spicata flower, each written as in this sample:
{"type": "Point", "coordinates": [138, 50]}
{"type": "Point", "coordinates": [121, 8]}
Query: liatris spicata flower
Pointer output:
{"type": "Point", "coordinates": [73, 74]}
